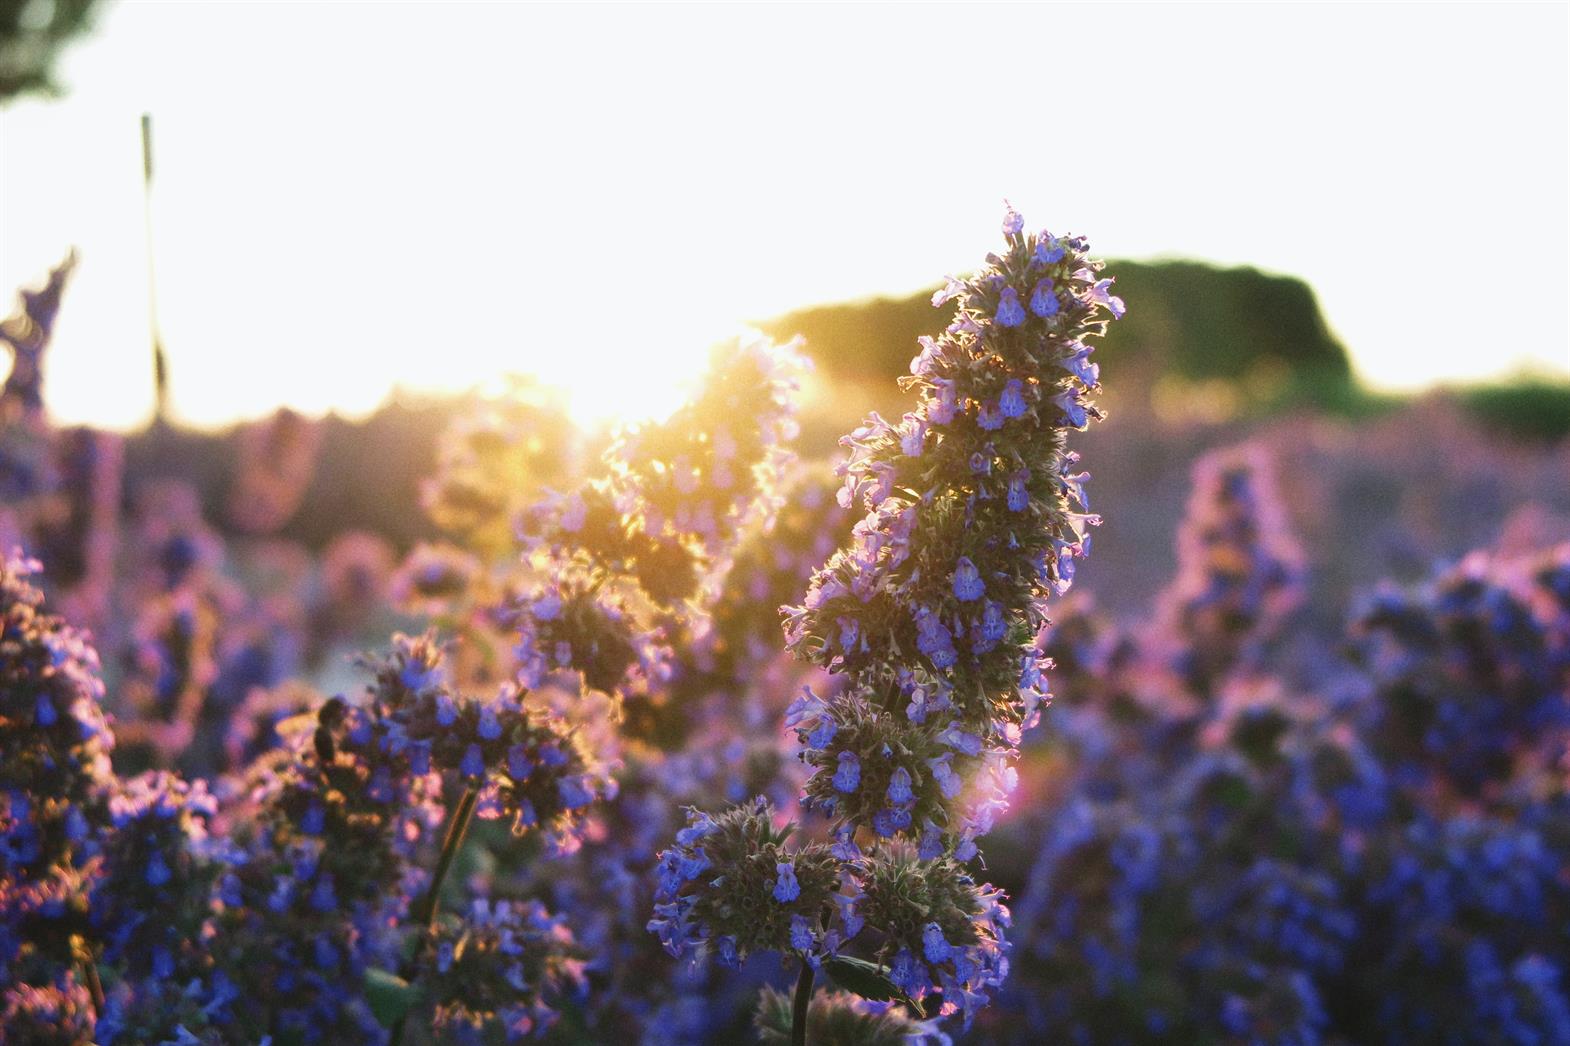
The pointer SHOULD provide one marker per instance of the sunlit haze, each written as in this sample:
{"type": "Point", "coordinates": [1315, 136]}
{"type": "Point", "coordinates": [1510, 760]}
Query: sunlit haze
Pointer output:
{"type": "Point", "coordinates": [356, 197]}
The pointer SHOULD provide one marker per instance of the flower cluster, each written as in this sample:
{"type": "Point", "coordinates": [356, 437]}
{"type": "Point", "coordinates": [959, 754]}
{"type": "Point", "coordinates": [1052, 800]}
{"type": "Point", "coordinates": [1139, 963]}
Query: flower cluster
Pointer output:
{"type": "Point", "coordinates": [59, 488]}
{"type": "Point", "coordinates": [55, 783]}
{"type": "Point", "coordinates": [525, 765]}
{"type": "Point", "coordinates": [1151, 914]}
{"type": "Point", "coordinates": [772, 566]}
{"type": "Point", "coordinates": [276, 460]}
{"type": "Point", "coordinates": [974, 515]}
{"type": "Point", "coordinates": [27, 335]}
{"type": "Point", "coordinates": [151, 907]}
{"type": "Point", "coordinates": [331, 870]}
{"type": "Point", "coordinates": [1239, 569]}
{"type": "Point", "coordinates": [974, 518]}
{"type": "Point", "coordinates": [356, 571]}
{"type": "Point", "coordinates": [566, 625]}
{"type": "Point", "coordinates": [1384, 862]}
{"type": "Point", "coordinates": [74, 529]}
{"type": "Point", "coordinates": [58, 1014]}
{"type": "Point", "coordinates": [434, 578]}
{"type": "Point", "coordinates": [677, 493]}
{"type": "Point", "coordinates": [492, 463]}
{"type": "Point", "coordinates": [154, 858]}
{"type": "Point", "coordinates": [498, 971]}
{"type": "Point", "coordinates": [730, 883]}
{"type": "Point", "coordinates": [1472, 674]}
{"type": "Point", "coordinates": [609, 886]}
{"type": "Point", "coordinates": [938, 928]}
{"type": "Point", "coordinates": [325, 875]}
{"type": "Point", "coordinates": [1475, 905]}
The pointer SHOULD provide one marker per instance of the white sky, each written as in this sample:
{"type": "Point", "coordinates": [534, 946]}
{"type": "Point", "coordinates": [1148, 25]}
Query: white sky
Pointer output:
{"type": "Point", "coordinates": [354, 196]}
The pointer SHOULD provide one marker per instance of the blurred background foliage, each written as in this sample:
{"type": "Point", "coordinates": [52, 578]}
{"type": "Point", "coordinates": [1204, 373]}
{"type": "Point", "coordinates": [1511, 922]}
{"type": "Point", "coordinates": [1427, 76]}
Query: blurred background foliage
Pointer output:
{"type": "Point", "coordinates": [1208, 349]}
{"type": "Point", "coordinates": [32, 35]}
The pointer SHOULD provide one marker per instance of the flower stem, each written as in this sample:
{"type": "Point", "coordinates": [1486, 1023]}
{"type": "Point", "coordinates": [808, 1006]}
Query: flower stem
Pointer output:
{"type": "Point", "coordinates": [95, 987]}
{"type": "Point", "coordinates": [425, 912]}
{"type": "Point", "coordinates": [800, 1005]}
{"type": "Point", "coordinates": [451, 843]}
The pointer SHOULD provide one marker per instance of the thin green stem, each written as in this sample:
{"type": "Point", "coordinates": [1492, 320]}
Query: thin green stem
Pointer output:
{"type": "Point", "coordinates": [800, 1004]}
{"type": "Point", "coordinates": [425, 912]}
{"type": "Point", "coordinates": [451, 844]}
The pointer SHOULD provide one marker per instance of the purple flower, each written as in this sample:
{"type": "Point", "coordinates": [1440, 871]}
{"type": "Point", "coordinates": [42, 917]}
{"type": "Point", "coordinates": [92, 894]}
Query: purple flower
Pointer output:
{"type": "Point", "coordinates": [801, 937]}
{"type": "Point", "coordinates": [823, 733]}
{"type": "Point", "coordinates": [1018, 495]}
{"type": "Point", "coordinates": [847, 777]}
{"type": "Point", "coordinates": [849, 628]}
{"type": "Point", "coordinates": [913, 435]}
{"type": "Point", "coordinates": [574, 793]}
{"type": "Point", "coordinates": [574, 515]}
{"type": "Point", "coordinates": [968, 585]}
{"type": "Point", "coordinates": [993, 624]}
{"type": "Point", "coordinates": [850, 918]}
{"type": "Point", "coordinates": [923, 362]}
{"type": "Point", "coordinates": [1011, 403]}
{"type": "Point", "coordinates": [547, 607]}
{"type": "Point", "coordinates": [905, 973]}
{"type": "Point", "coordinates": [446, 709]}
{"type": "Point", "coordinates": [1073, 409]}
{"type": "Point", "coordinates": [1049, 249]}
{"type": "Point", "coordinates": [1010, 312]}
{"type": "Point", "coordinates": [952, 288]}
{"type": "Point", "coordinates": [702, 825]}
{"type": "Point", "coordinates": [526, 817]}
{"type": "Point", "coordinates": [934, 639]}
{"type": "Point", "coordinates": [964, 740]}
{"type": "Point", "coordinates": [942, 407]}
{"type": "Point", "coordinates": [323, 897]}
{"type": "Point", "coordinates": [890, 821]}
{"type": "Point", "coordinates": [1043, 300]}
{"type": "Point", "coordinates": [490, 727]}
{"type": "Point", "coordinates": [786, 888]}
{"type": "Point", "coordinates": [519, 766]}
{"type": "Point", "coordinates": [949, 783]}
{"type": "Point", "coordinates": [1013, 223]}
{"type": "Point", "coordinates": [933, 944]}
{"type": "Point", "coordinates": [690, 867]}
{"type": "Point", "coordinates": [1074, 487]}
{"type": "Point", "coordinates": [314, 821]}
{"type": "Point", "coordinates": [899, 792]}
{"type": "Point", "coordinates": [726, 946]}
{"type": "Point", "coordinates": [1079, 365]}
{"type": "Point", "coordinates": [1101, 294]}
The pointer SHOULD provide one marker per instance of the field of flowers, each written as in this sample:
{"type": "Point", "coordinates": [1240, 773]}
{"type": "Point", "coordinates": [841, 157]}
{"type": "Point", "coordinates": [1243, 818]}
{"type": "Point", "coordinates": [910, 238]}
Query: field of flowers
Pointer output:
{"type": "Point", "coordinates": [677, 737]}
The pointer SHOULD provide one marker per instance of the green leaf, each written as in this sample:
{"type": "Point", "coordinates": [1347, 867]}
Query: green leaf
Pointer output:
{"type": "Point", "coordinates": [390, 996]}
{"type": "Point", "coordinates": [866, 979]}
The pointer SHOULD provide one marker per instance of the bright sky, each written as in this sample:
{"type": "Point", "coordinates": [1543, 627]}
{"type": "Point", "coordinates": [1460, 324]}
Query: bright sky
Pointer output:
{"type": "Point", "coordinates": [355, 196]}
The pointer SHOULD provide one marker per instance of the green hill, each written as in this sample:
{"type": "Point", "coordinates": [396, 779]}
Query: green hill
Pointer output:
{"type": "Point", "coordinates": [1187, 321]}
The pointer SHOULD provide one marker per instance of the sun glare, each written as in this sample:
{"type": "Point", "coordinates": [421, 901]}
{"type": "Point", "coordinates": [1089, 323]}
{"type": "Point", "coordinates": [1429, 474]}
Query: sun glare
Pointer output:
{"type": "Point", "coordinates": [322, 242]}
{"type": "Point", "coordinates": [624, 379]}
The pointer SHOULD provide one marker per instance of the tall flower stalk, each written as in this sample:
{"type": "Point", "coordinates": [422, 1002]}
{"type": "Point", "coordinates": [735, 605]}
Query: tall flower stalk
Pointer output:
{"type": "Point", "coordinates": [974, 517]}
